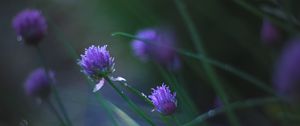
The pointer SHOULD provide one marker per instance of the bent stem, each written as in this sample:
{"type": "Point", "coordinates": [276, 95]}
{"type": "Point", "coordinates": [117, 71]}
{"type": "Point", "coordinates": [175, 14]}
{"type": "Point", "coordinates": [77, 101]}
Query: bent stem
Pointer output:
{"type": "Point", "coordinates": [175, 120]}
{"type": "Point", "coordinates": [55, 112]}
{"type": "Point", "coordinates": [185, 96]}
{"type": "Point", "coordinates": [137, 92]}
{"type": "Point", "coordinates": [213, 78]}
{"type": "Point", "coordinates": [236, 105]}
{"type": "Point", "coordinates": [54, 89]}
{"type": "Point", "coordinates": [130, 103]}
{"type": "Point", "coordinates": [259, 13]}
{"type": "Point", "coordinates": [102, 102]}
{"type": "Point", "coordinates": [258, 83]}
{"type": "Point", "coordinates": [165, 120]}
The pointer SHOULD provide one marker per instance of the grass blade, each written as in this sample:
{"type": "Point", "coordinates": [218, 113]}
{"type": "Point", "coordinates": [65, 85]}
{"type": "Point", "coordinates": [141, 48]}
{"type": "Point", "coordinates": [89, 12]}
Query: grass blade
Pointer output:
{"type": "Point", "coordinates": [235, 105]}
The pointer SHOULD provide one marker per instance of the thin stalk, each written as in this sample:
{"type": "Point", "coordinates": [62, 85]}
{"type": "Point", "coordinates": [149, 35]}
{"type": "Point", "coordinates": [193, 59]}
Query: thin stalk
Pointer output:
{"type": "Point", "coordinates": [186, 96]}
{"type": "Point", "coordinates": [175, 120]}
{"type": "Point", "coordinates": [259, 13]}
{"type": "Point", "coordinates": [236, 105]}
{"type": "Point", "coordinates": [166, 121]}
{"type": "Point", "coordinates": [213, 78]}
{"type": "Point", "coordinates": [105, 106]}
{"type": "Point", "coordinates": [258, 83]}
{"type": "Point", "coordinates": [283, 108]}
{"type": "Point", "coordinates": [54, 89]}
{"type": "Point", "coordinates": [130, 103]}
{"type": "Point", "coordinates": [293, 117]}
{"type": "Point", "coordinates": [136, 92]}
{"type": "Point", "coordinates": [102, 102]}
{"type": "Point", "coordinates": [55, 112]}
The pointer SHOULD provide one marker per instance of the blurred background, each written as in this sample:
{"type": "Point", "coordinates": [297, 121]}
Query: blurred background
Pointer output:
{"type": "Point", "coordinates": [229, 32]}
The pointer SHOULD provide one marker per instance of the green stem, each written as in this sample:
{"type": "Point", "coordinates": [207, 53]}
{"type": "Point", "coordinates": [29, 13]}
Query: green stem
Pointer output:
{"type": "Point", "coordinates": [213, 78]}
{"type": "Point", "coordinates": [175, 120]}
{"type": "Point", "coordinates": [165, 119]}
{"type": "Point", "coordinates": [236, 105]}
{"type": "Point", "coordinates": [186, 97]}
{"type": "Point", "coordinates": [61, 106]}
{"type": "Point", "coordinates": [283, 108]}
{"type": "Point", "coordinates": [130, 103]}
{"type": "Point", "coordinates": [293, 117]}
{"type": "Point", "coordinates": [137, 92]}
{"type": "Point", "coordinates": [54, 89]}
{"type": "Point", "coordinates": [102, 102]}
{"type": "Point", "coordinates": [55, 112]}
{"type": "Point", "coordinates": [259, 13]}
{"type": "Point", "coordinates": [258, 83]}
{"type": "Point", "coordinates": [105, 106]}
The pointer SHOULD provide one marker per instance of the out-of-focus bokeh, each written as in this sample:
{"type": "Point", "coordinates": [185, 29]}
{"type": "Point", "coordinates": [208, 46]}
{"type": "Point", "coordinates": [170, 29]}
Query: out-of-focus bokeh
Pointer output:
{"type": "Point", "coordinates": [229, 33]}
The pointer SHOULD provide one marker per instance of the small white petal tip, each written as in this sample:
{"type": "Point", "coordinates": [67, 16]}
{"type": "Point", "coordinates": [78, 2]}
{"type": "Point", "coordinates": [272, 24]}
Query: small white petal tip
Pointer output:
{"type": "Point", "coordinates": [118, 79]}
{"type": "Point", "coordinates": [99, 85]}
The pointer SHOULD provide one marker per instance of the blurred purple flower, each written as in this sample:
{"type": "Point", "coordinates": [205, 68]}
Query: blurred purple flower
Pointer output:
{"type": "Point", "coordinates": [158, 46]}
{"type": "Point", "coordinates": [30, 26]}
{"type": "Point", "coordinates": [163, 100]}
{"type": "Point", "coordinates": [270, 33]}
{"type": "Point", "coordinates": [38, 84]}
{"type": "Point", "coordinates": [287, 72]}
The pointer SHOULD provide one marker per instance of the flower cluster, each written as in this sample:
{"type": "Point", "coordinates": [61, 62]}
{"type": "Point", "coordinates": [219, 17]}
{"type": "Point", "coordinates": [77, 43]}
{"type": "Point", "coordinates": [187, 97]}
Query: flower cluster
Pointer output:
{"type": "Point", "coordinates": [158, 45]}
{"type": "Point", "coordinates": [30, 26]}
{"type": "Point", "coordinates": [163, 100]}
{"type": "Point", "coordinates": [96, 62]}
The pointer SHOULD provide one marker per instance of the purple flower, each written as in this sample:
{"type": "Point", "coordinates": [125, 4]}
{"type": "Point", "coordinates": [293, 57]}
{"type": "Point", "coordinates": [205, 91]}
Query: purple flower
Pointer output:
{"type": "Point", "coordinates": [287, 71]}
{"type": "Point", "coordinates": [158, 46]}
{"type": "Point", "coordinates": [37, 83]}
{"type": "Point", "coordinates": [163, 100]}
{"type": "Point", "coordinates": [30, 26]}
{"type": "Point", "coordinates": [270, 33]}
{"type": "Point", "coordinates": [96, 62]}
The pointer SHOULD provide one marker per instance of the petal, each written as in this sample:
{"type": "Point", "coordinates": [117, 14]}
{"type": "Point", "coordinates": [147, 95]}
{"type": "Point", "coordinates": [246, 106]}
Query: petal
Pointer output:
{"type": "Point", "coordinates": [118, 79]}
{"type": "Point", "coordinates": [99, 85]}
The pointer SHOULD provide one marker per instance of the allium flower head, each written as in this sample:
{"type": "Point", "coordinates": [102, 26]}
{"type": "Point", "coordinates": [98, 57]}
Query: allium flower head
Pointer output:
{"type": "Point", "coordinates": [287, 72]}
{"type": "Point", "coordinates": [270, 33]}
{"type": "Point", "coordinates": [163, 100]}
{"type": "Point", "coordinates": [38, 84]}
{"type": "Point", "coordinates": [96, 62]}
{"type": "Point", "coordinates": [158, 46]}
{"type": "Point", "coordinates": [30, 26]}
